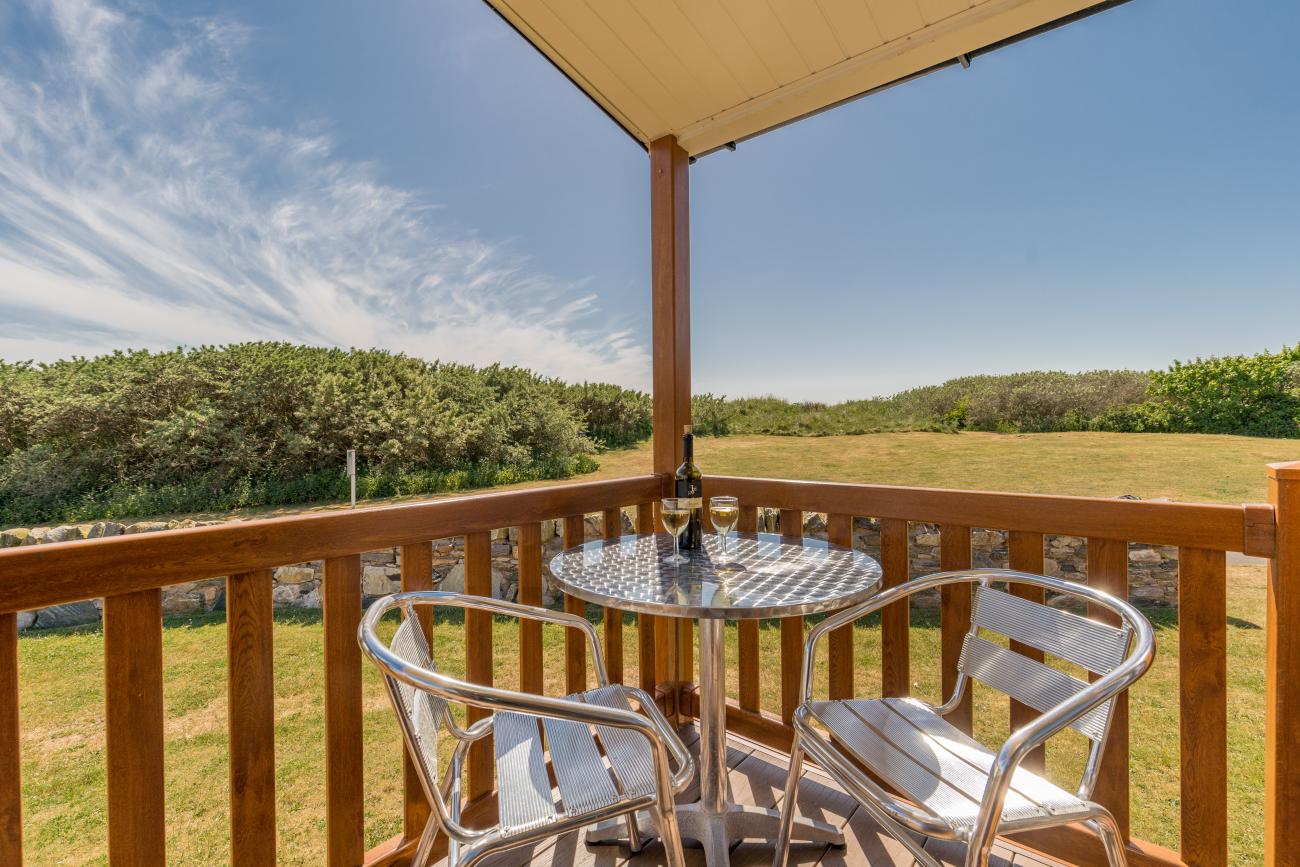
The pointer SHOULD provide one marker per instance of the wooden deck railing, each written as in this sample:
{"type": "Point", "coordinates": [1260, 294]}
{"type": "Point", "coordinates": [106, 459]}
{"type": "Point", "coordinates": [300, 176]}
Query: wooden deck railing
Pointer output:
{"type": "Point", "coordinates": [130, 572]}
{"type": "Point", "coordinates": [1203, 535]}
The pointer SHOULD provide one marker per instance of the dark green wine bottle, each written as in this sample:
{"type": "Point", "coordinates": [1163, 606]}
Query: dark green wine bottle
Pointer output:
{"type": "Point", "coordinates": [689, 484]}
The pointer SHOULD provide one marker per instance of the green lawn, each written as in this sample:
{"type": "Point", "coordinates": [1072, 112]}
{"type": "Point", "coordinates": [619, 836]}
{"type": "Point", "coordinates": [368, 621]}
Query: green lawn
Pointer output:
{"type": "Point", "coordinates": [1188, 467]}
{"type": "Point", "coordinates": [63, 743]}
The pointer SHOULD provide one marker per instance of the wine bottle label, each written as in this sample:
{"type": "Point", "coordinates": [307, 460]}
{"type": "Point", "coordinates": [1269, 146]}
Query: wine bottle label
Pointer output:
{"type": "Point", "coordinates": [695, 503]}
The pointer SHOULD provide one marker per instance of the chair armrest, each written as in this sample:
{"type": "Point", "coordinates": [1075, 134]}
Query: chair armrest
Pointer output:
{"type": "Point", "coordinates": [875, 603]}
{"type": "Point", "coordinates": [509, 609]}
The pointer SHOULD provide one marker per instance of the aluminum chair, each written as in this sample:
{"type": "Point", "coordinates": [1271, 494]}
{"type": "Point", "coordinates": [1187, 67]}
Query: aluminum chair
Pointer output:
{"type": "Point", "coordinates": [582, 732]}
{"type": "Point", "coordinates": [951, 786]}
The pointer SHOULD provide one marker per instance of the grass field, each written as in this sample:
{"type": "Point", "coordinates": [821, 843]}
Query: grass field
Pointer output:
{"type": "Point", "coordinates": [63, 743]}
{"type": "Point", "coordinates": [1188, 467]}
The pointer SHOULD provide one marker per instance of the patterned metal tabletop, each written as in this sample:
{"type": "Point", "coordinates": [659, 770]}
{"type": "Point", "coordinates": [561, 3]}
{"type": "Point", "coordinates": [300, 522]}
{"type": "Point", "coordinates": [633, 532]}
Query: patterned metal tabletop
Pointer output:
{"type": "Point", "coordinates": [778, 578]}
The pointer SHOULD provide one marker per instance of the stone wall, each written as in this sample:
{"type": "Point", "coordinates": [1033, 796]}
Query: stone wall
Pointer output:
{"type": "Point", "coordinates": [1152, 569]}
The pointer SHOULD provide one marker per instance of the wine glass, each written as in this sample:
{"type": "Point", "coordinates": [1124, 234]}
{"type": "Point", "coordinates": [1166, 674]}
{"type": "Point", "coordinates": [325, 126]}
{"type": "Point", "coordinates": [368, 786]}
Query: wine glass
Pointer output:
{"type": "Point", "coordinates": [724, 512]}
{"type": "Point", "coordinates": [675, 513]}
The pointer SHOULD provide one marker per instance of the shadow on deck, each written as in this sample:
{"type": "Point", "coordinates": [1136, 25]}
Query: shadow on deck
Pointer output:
{"type": "Point", "coordinates": [757, 776]}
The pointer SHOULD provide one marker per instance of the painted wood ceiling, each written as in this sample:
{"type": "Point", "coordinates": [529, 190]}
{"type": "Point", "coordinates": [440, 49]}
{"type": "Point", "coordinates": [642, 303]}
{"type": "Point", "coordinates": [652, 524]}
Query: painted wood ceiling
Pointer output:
{"type": "Point", "coordinates": [712, 72]}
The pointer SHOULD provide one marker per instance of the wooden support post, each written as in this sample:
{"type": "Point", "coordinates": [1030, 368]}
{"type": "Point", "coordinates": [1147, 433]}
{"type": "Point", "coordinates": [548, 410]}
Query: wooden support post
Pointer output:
{"type": "Point", "coordinates": [575, 643]}
{"type": "Point", "coordinates": [954, 620]}
{"type": "Point", "coordinates": [11, 789]}
{"type": "Point", "coordinates": [670, 280]}
{"type": "Point", "coordinates": [250, 663]}
{"type": "Point", "coordinates": [645, 623]}
{"type": "Point", "coordinates": [1282, 666]}
{"type": "Point", "coordinates": [344, 796]}
{"type": "Point", "coordinates": [478, 656]}
{"type": "Point", "coordinates": [895, 619]}
{"type": "Point", "coordinates": [1108, 571]}
{"type": "Point", "coordinates": [1203, 704]}
{"type": "Point", "coordinates": [839, 531]}
{"type": "Point", "coordinates": [531, 677]}
{"type": "Point", "coordinates": [134, 728]}
{"type": "Point", "coordinates": [747, 661]}
{"type": "Point", "coordinates": [1025, 554]}
{"type": "Point", "coordinates": [612, 523]}
{"type": "Point", "coordinates": [416, 574]}
{"type": "Point", "coordinates": [791, 630]}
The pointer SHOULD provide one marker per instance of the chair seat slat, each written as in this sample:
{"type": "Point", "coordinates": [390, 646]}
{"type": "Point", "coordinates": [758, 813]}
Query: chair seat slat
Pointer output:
{"type": "Point", "coordinates": [629, 754]}
{"type": "Point", "coordinates": [580, 770]}
{"type": "Point", "coordinates": [524, 789]}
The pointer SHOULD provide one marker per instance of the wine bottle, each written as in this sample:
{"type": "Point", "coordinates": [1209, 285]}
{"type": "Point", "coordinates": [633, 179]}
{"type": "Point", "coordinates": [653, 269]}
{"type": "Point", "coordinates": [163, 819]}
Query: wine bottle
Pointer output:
{"type": "Point", "coordinates": [688, 484]}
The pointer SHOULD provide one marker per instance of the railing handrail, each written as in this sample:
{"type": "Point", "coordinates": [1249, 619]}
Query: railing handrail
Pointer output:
{"type": "Point", "coordinates": [1242, 528]}
{"type": "Point", "coordinates": [61, 572]}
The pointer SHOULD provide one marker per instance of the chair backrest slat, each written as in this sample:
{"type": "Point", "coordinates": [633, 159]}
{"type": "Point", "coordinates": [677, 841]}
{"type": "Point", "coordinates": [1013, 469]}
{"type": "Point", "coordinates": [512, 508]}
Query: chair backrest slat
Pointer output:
{"type": "Point", "coordinates": [1097, 647]}
{"type": "Point", "coordinates": [1029, 682]}
{"type": "Point", "coordinates": [423, 710]}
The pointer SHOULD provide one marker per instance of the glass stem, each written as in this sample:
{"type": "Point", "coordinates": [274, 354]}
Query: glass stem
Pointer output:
{"type": "Point", "coordinates": [677, 545]}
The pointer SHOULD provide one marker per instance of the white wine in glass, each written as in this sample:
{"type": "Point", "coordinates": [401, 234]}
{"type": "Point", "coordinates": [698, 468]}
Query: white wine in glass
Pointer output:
{"type": "Point", "coordinates": [675, 514]}
{"type": "Point", "coordinates": [724, 512]}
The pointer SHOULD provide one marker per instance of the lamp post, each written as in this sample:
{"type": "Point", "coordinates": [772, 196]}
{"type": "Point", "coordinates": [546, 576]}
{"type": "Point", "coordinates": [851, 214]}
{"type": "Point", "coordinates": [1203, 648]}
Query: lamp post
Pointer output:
{"type": "Point", "coordinates": [352, 475]}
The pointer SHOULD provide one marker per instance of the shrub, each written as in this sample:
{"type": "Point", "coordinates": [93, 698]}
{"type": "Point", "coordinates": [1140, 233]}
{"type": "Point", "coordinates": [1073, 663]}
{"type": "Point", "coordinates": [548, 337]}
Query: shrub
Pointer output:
{"type": "Point", "coordinates": [249, 424]}
{"type": "Point", "coordinates": [1254, 395]}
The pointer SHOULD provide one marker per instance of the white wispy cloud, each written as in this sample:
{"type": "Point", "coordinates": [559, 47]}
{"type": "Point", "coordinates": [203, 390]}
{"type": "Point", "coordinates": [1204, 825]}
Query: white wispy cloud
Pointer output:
{"type": "Point", "coordinates": [143, 205]}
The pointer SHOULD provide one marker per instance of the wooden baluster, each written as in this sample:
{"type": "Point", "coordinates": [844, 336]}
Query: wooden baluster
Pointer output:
{"type": "Point", "coordinates": [416, 574]}
{"type": "Point", "coordinates": [531, 677]}
{"type": "Point", "coordinates": [344, 796]}
{"type": "Point", "coordinates": [1108, 571]}
{"type": "Point", "coordinates": [11, 789]}
{"type": "Point", "coordinates": [839, 531]}
{"type": "Point", "coordinates": [250, 664]}
{"type": "Point", "coordinates": [1025, 554]}
{"type": "Point", "coordinates": [134, 728]}
{"type": "Point", "coordinates": [1282, 673]}
{"type": "Point", "coordinates": [791, 629]}
{"type": "Point", "coordinates": [612, 522]}
{"type": "Point", "coordinates": [478, 656]}
{"type": "Point", "coordinates": [575, 644]}
{"type": "Point", "coordinates": [645, 623]}
{"type": "Point", "coordinates": [1203, 704]}
{"type": "Point", "coordinates": [747, 630]}
{"type": "Point", "coordinates": [895, 619]}
{"type": "Point", "coordinates": [955, 611]}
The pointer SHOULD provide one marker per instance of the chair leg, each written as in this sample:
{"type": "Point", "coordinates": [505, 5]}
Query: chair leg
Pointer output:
{"type": "Point", "coordinates": [666, 818]}
{"type": "Point", "coordinates": [787, 804]}
{"type": "Point", "coordinates": [634, 841]}
{"type": "Point", "coordinates": [1111, 839]}
{"type": "Point", "coordinates": [425, 846]}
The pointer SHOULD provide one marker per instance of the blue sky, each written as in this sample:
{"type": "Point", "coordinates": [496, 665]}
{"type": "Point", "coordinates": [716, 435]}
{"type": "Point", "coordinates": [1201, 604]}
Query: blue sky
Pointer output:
{"type": "Point", "coordinates": [411, 175]}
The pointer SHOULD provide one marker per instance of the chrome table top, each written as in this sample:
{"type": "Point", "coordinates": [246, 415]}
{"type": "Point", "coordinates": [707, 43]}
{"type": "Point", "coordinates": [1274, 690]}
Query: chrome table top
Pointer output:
{"type": "Point", "coordinates": [780, 578]}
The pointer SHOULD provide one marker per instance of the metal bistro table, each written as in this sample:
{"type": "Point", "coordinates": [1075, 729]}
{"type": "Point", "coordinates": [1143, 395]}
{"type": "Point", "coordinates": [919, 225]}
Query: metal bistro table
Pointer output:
{"type": "Point", "coordinates": [779, 579]}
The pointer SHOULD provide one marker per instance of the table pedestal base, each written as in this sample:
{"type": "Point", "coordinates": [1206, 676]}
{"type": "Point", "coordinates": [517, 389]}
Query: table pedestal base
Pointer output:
{"type": "Point", "coordinates": [715, 822]}
{"type": "Point", "coordinates": [716, 832]}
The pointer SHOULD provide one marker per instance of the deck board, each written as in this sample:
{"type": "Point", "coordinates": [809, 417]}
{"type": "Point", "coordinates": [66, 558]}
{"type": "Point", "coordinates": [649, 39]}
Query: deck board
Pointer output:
{"type": "Point", "coordinates": [757, 776]}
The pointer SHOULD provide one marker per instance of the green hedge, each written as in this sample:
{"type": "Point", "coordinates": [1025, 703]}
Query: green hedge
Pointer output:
{"type": "Point", "coordinates": [268, 423]}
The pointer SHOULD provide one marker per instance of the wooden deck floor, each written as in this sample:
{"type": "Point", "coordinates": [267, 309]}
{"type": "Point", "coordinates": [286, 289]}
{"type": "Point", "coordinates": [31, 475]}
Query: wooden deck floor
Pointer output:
{"type": "Point", "coordinates": [758, 777]}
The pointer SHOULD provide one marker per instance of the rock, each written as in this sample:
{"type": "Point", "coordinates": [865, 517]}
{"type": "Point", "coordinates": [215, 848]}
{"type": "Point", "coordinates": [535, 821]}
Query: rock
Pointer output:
{"type": "Point", "coordinates": [814, 524]}
{"type": "Point", "coordinates": [15, 537]}
{"type": "Point", "coordinates": [375, 581]}
{"type": "Point", "coordinates": [72, 614]}
{"type": "Point", "coordinates": [35, 536]}
{"type": "Point", "coordinates": [929, 540]}
{"type": "Point", "coordinates": [455, 581]}
{"type": "Point", "coordinates": [285, 595]}
{"type": "Point", "coordinates": [147, 527]}
{"type": "Point", "coordinates": [64, 533]}
{"type": "Point", "coordinates": [294, 574]}
{"type": "Point", "coordinates": [1144, 555]}
{"type": "Point", "coordinates": [105, 529]}
{"type": "Point", "coordinates": [184, 602]}
{"type": "Point", "coordinates": [379, 558]}
{"type": "Point", "coordinates": [310, 600]}
{"type": "Point", "coordinates": [26, 619]}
